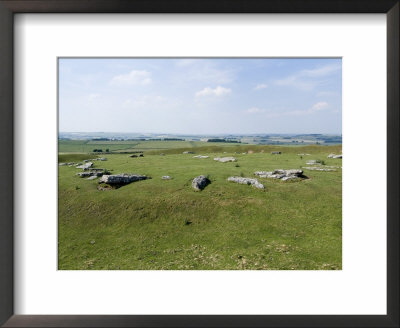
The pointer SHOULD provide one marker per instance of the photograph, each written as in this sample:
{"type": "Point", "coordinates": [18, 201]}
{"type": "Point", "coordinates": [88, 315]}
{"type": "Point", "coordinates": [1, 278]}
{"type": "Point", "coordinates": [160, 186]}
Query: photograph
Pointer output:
{"type": "Point", "coordinates": [200, 163]}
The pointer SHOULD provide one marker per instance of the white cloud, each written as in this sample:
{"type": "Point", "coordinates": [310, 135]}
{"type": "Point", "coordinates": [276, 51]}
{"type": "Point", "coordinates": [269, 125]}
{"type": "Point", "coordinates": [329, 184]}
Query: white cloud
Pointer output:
{"type": "Point", "coordinates": [204, 71]}
{"type": "Point", "coordinates": [93, 96]}
{"type": "Point", "coordinates": [321, 71]}
{"type": "Point", "coordinates": [315, 108]}
{"type": "Point", "coordinates": [218, 91]}
{"type": "Point", "coordinates": [319, 106]}
{"type": "Point", "coordinates": [307, 79]}
{"type": "Point", "coordinates": [132, 78]}
{"type": "Point", "coordinates": [255, 110]}
{"type": "Point", "coordinates": [295, 81]}
{"type": "Point", "coordinates": [261, 86]}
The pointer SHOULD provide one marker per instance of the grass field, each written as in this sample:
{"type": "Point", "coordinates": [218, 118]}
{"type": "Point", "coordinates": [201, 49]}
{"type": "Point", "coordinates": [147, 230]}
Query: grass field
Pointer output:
{"type": "Point", "coordinates": [87, 146]}
{"type": "Point", "coordinates": [165, 224]}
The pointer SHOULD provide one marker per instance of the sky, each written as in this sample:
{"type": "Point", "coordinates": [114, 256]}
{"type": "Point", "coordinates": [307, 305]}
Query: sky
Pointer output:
{"type": "Point", "coordinates": [200, 95]}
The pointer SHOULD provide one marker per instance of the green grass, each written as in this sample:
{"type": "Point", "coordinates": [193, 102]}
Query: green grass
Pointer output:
{"type": "Point", "coordinates": [165, 224]}
{"type": "Point", "coordinates": [86, 146]}
{"type": "Point", "coordinates": [65, 158]}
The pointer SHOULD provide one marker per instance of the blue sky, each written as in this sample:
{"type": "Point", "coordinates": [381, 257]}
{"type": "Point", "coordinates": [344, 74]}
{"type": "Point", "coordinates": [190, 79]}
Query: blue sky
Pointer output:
{"type": "Point", "coordinates": [200, 96]}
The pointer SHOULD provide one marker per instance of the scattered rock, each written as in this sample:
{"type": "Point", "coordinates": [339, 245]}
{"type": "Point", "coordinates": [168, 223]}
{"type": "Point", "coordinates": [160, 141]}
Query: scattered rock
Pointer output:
{"type": "Point", "coordinates": [247, 181]}
{"type": "Point", "coordinates": [200, 156]}
{"type": "Point", "coordinates": [166, 177]}
{"type": "Point", "coordinates": [69, 164]}
{"type": "Point", "coordinates": [93, 177]}
{"type": "Point", "coordinates": [200, 182]}
{"type": "Point", "coordinates": [101, 159]}
{"type": "Point", "coordinates": [225, 159]}
{"type": "Point", "coordinates": [93, 172]}
{"type": "Point", "coordinates": [85, 166]}
{"type": "Point", "coordinates": [319, 169]}
{"type": "Point", "coordinates": [303, 154]}
{"type": "Point", "coordinates": [313, 162]}
{"type": "Point", "coordinates": [188, 152]}
{"type": "Point", "coordinates": [121, 179]}
{"type": "Point", "coordinates": [334, 156]}
{"type": "Point", "coordinates": [276, 152]}
{"type": "Point", "coordinates": [283, 175]}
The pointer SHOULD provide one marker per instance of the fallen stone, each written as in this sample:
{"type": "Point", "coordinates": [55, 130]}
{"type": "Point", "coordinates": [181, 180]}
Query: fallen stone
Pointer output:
{"type": "Point", "coordinates": [93, 172]}
{"type": "Point", "coordinates": [69, 164]}
{"type": "Point", "coordinates": [101, 159]}
{"type": "Point", "coordinates": [276, 152]}
{"type": "Point", "coordinates": [283, 175]}
{"type": "Point", "coordinates": [225, 159]}
{"type": "Point", "coordinates": [313, 162]}
{"type": "Point", "coordinates": [247, 181]}
{"type": "Point", "coordinates": [85, 166]}
{"type": "Point", "coordinates": [93, 177]}
{"type": "Point", "coordinates": [188, 152]}
{"type": "Point", "coordinates": [200, 182]}
{"type": "Point", "coordinates": [334, 156]}
{"type": "Point", "coordinates": [121, 179]}
{"type": "Point", "coordinates": [166, 177]}
{"type": "Point", "coordinates": [319, 169]}
{"type": "Point", "coordinates": [200, 156]}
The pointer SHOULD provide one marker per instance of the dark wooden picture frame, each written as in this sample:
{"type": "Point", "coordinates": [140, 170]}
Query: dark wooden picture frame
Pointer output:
{"type": "Point", "coordinates": [10, 7]}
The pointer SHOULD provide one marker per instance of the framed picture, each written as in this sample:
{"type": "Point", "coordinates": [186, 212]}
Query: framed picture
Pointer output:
{"type": "Point", "coordinates": [181, 164]}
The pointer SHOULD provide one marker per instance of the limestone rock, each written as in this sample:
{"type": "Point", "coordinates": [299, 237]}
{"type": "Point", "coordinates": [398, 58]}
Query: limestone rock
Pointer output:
{"type": "Point", "coordinates": [334, 156]}
{"type": "Point", "coordinates": [121, 179]}
{"type": "Point", "coordinates": [283, 175]}
{"type": "Point", "coordinates": [225, 159]}
{"type": "Point", "coordinates": [200, 182]}
{"type": "Point", "coordinates": [200, 156]}
{"type": "Point", "coordinates": [93, 172]}
{"type": "Point", "coordinates": [85, 166]}
{"type": "Point", "coordinates": [319, 169]}
{"type": "Point", "coordinates": [313, 162]}
{"type": "Point", "coordinates": [188, 152]}
{"type": "Point", "coordinates": [247, 181]}
{"type": "Point", "coordinates": [166, 177]}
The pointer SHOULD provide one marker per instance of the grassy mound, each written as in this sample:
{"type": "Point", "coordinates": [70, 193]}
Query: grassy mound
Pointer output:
{"type": "Point", "coordinates": [160, 224]}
